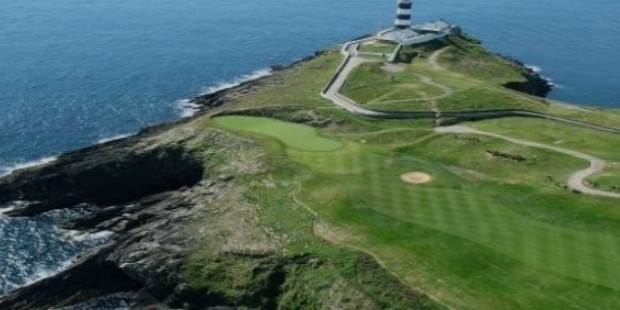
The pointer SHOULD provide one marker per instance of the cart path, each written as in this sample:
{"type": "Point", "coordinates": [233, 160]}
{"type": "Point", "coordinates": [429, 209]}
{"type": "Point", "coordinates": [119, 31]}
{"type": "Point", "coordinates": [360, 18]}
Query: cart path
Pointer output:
{"type": "Point", "coordinates": [575, 181]}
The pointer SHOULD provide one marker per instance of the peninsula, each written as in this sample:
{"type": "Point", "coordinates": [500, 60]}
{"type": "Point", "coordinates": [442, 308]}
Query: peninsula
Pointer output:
{"type": "Point", "coordinates": [390, 172]}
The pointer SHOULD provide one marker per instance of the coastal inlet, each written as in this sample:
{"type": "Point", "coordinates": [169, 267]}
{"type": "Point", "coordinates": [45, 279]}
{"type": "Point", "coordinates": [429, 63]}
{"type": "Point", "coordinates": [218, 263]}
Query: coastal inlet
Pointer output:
{"type": "Point", "coordinates": [35, 248]}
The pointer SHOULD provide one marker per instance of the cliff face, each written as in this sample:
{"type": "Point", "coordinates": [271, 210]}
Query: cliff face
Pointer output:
{"type": "Point", "coordinates": [169, 192]}
{"type": "Point", "coordinates": [131, 181]}
{"type": "Point", "coordinates": [534, 83]}
{"type": "Point", "coordinates": [148, 189]}
{"type": "Point", "coordinates": [188, 243]}
{"type": "Point", "coordinates": [106, 175]}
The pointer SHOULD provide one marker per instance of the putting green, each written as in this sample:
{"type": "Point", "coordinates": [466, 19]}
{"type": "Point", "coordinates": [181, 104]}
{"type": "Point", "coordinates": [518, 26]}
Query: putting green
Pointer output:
{"type": "Point", "coordinates": [293, 135]}
{"type": "Point", "coordinates": [483, 238]}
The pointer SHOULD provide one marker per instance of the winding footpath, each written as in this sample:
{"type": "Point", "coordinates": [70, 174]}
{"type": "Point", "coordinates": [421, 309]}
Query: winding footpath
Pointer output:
{"type": "Point", "coordinates": [352, 60]}
{"type": "Point", "coordinates": [575, 181]}
{"type": "Point", "coordinates": [433, 61]}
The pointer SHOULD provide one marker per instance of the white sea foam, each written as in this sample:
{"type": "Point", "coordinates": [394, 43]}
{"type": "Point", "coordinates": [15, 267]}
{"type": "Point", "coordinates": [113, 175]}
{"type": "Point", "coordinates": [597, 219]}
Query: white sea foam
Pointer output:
{"type": "Point", "coordinates": [76, 236]}
{"type": "Point", "coordinates": [4, 210]}
{"type": "Point", "coordinates": [189, 109]}
{"type": "Point", "coordinates": [53, 259]}
{"type": "Point", "coordinates": [534, 68]}
{"type": "Point", "coordinates": [114, 138]}
{"type": "Point", "coordinates": [4, 171]}
{"type": "Point", "coordinates": [44, 273]}
{"type": "Point", "coordinates": [237, 81]}
{"type": "Point", "coordinates": [538, 70]}
{"type": "Point", "coordinates": [80, 236]}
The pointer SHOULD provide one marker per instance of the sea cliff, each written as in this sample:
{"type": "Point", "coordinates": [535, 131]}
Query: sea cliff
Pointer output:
{"type": "Point", "coordinates": [175, 188]}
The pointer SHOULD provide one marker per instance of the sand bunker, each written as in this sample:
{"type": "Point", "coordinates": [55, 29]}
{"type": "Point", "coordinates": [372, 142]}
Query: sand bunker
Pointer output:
{"type": "Point", "coordinates": [416, 177]}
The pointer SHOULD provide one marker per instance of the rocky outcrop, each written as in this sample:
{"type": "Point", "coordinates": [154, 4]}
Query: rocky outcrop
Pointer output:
{"type": "Point", "coordinates": [185, 234]}
{"type": "Point", "coordinates": [148, 189]}
{"type": "Point", "coordinates": [113, 173]}
{"type": "Point", "coordinates": [210, 101]}
{"type": "Point", "coordinates": [534, 83]}
{"type": "Point", "coordinates": [91, 277]}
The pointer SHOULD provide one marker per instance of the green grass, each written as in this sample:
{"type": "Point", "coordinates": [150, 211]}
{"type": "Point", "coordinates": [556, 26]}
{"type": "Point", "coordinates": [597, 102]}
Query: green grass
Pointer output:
{"type": "Point", "coordinates": [299, 86]}
{"type": "Point", "coordinates": [371, 85]}
{"type": "Point", "coordinates": [370, 82]}
{"type": "Point", "coordinates": [374, 47]}
{"type": "Point", "coordinates": [293, 135]}
{"type": "Point", "coordinates": [608, 179]}
{"type": "Point", "coordinates": [473, 60]}
{"type": "Point", "coordinates": [601, 144]}
{"type": "Point", "coordinates": [595, 115]}
{"type": "Point", "coordinates": [489, 98]}
{"type": "Point", "coordinates": [486, 233]}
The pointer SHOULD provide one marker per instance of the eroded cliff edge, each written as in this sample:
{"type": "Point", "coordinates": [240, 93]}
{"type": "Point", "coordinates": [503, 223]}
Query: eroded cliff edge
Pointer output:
{"type": "Point", "coordinates": [187, 235]}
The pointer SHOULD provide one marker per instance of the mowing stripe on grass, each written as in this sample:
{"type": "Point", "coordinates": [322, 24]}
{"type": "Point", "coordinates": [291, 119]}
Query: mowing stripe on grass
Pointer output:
{"type": "Point", "coordinates": [468, 210]}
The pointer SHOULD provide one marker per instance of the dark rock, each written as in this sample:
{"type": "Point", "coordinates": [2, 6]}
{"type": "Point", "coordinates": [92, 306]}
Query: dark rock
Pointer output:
{"type": "Point", "coordinates": [91, 277]}
{"type": "Point", "coordinates": [534, 83]}
{"type": "Point", "coordinates": [102, 176]}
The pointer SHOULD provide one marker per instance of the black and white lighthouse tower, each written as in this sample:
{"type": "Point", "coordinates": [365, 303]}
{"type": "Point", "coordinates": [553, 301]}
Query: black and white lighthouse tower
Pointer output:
{"type": "Point", "coordinates": [403, 14]}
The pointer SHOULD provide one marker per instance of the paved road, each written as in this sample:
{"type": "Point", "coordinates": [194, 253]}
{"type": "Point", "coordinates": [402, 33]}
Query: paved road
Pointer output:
{"type": "Point", "coordinates": [352, 60]}
{"type": "Point", "coordinates": [576, 179]}
{"type": "Point", "coordinates": [332, 92]}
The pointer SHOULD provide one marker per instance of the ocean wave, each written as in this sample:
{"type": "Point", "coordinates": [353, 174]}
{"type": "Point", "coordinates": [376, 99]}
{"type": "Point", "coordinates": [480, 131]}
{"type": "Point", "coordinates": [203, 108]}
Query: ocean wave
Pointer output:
{"type": "Point", "coordinates": [4, 171]}
{"type": "Point", "coordinates": [40, 274]}
{"type": "Point", "coordinates": [538, 70]}
{"type": "Point", "coordinates": [534, 68]}
{"type": "Point", "coordinates": [4, 210]}
{"type": "Point", "coordinates": [237, 81]}
{"type": "Point", "coordinates": [81, 236]}
{"type": "Point", "coordinates": [188, 109]}
{"type": "Point", "coordinates": [35, 248]}
{"type": "Point", "coordinates": [113, 138]}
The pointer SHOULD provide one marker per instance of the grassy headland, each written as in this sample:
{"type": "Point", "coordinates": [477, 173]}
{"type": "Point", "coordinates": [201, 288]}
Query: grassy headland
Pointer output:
{"type": "Point", "coordinates": [496, 228]}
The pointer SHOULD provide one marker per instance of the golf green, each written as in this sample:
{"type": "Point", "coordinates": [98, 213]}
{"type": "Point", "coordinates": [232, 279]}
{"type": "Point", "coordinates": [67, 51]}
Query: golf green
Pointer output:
{"type": "Point", "coordinates": [293, 135]}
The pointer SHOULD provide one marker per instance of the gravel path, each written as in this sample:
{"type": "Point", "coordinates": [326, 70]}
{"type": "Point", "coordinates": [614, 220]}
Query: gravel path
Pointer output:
{"type": "Point", "coordinates": [433, 61]}
{"type": "Point", "coordinates": [575, 181]}
{"type": "Point", "coordinates": [351, 61]}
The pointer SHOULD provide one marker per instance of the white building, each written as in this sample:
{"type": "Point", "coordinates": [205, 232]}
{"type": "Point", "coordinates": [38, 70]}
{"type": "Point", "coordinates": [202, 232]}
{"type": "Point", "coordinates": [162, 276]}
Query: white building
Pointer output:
{"type": "Point", "coordinates": [405, 34]}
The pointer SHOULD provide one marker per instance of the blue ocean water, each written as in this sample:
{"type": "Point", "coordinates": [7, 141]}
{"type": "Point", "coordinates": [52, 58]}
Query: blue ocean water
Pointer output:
{"type": "Point", "coordinates": [35, 248]}
{"type": "Point", "coordinates": [74, 72]}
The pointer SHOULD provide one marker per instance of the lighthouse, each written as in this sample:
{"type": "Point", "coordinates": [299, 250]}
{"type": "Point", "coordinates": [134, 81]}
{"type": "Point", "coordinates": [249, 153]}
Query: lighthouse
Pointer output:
{"type": "Point", "coordinates": [403, 14]}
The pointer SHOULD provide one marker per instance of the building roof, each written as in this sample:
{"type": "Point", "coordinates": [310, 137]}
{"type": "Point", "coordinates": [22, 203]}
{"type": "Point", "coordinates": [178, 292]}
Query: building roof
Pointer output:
{"type": "Point", "coordinates": [434, 26]}
{"type": "Point", "coordinates": [439, 27]}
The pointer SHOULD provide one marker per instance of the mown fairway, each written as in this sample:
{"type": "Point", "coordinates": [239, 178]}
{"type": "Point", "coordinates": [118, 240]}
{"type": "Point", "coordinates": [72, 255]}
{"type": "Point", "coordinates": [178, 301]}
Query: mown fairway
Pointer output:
{"type": "Point", "coordinates": [486, 233]}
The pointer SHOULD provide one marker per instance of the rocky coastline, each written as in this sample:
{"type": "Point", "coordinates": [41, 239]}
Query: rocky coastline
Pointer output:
{"type": "Point", "coordinates": [148, 189]}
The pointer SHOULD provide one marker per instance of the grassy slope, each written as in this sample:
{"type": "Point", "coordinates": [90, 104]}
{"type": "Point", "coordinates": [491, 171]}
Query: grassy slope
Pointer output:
{"type": "Point", "coordinates": [475, 76]}
{"type": "Point", "coordinates": [514, 240]}
{"type": "Point", "coordinates": [297, 86]}
{"type": "Point", "coordinates": [488, 233]}
{"type": "Point", "coordinates": [371, 83]}
{"type": "Point", "coordinates": [255, 234]}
